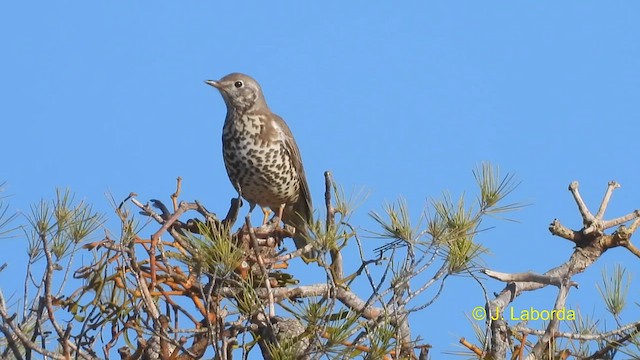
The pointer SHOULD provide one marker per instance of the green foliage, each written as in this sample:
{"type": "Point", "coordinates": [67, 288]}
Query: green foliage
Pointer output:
{"type": "Point", "coordinates": [339, 327]}
{"type": "Point", "coordinates": [334, 236]}
{"type": "Point", "coordinates": [216, 252]}
{"type": "Point", "coordinates": [62, 224]}
{"type": "Point", "coordinates": [582, 324]}
{"type": "Point", "coordinates": [494, 188]}
{"type": "Point", "coordinates": [614, 289]}
{"type": "Point", "coordinates": [284, 349]}
{"type": "Point", "coordinates": [247, 300]}
{"type": "Point", "coordinates": [457, 235]}
{"type": "Point", "coordinates": [451, 225]}
{"type": "Point", "coordinates": [396, 224]}
{"type": "Point", "coordinates": [327, 238]}
{"type": "Point", "coordinates": [345, 205]}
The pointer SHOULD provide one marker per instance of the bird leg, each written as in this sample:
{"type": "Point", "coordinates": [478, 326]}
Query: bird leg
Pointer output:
{"type": "Point", "coordinates": [278, 221]}
{"type": "Point", "coordinates": [277, 217]}
{"type": "Point", "coordinates": [280, 211]}
{"type": "Point", "coordinates": [266, 211]}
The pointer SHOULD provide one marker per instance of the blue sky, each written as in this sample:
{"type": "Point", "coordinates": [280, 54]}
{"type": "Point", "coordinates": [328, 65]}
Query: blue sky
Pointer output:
{"type": "Point", "coordinates": [399, 99]}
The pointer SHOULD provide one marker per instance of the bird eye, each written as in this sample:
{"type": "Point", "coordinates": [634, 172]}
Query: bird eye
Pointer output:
{"type": "Point", "coordinates": [238, 84]}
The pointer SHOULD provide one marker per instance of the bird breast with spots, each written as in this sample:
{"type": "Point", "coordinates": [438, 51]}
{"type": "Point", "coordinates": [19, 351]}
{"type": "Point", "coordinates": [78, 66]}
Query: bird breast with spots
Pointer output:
{"type": "Point", "coordinates": [258, 162]}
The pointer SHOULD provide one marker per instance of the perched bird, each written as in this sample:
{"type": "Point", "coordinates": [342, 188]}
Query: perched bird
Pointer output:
{"type": "Point", "coordinates": [261, 156]}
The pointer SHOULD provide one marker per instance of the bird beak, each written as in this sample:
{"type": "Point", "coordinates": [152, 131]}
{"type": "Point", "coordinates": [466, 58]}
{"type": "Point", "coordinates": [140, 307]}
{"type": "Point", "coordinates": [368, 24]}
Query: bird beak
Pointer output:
{"type": "Point", "coordinates": [214, 83]}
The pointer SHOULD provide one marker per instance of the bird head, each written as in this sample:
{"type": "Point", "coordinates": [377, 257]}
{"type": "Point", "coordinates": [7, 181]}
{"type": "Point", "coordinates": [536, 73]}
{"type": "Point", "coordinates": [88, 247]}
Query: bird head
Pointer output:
{"type": "Point", "coordinates": [240, 92]}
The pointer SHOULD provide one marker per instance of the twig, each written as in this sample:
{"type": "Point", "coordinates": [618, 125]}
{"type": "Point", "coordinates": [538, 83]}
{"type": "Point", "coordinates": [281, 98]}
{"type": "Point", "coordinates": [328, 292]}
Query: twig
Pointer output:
{"type": "Point", "coordinates": [614, 344]}
{"type": "Point", "coordinates": [587, 217]}
{"type": "Point", "coordinates": [15, 330]}
{"type": "Point", "coordinates": [263, 268]}
{"type": "Point", "coordinates": [48, 297]}
{"type": "Point", "coordinates": [292, 255]}
{"type": "Point", "coordinates": [634, 225]}
{"type": "Point", "coordinates": [142, 285]}
{"type": "Point", "coordinates": [543, 341]}
{"type": "Point", "coordinates": [412, 294]}
{"type": "Point", "coordinates": [176, 194]}
{"type": "Point", "coordinates": [184, 207]}
{"type": "Point", "coordinates": [364, 266]}
{"type": "Point", "coordinates": [582, 337]}
{"type": "Point", "coordinates": [605, 201]}
{"type": "Point", "coordinates": [476, 350]}
{"type": "Point", "coordinates": [6, 331]}
{"type": "Point", "coordinates": [358, 346]}
{"type": "Point", "coordinates": [336, 257]}
{"type": "Point", "coordinates": [327, 199]}
{"type": "Point", "coordinates": [148, 210]}
{"type": "Point", "coordinates": [621, 220]}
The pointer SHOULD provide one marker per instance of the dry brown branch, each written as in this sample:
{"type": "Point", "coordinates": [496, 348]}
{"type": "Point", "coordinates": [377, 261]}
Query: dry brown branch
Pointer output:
{"type": "Point", "coordinates": [176, 194]}
{"type": "Point", "coordinates": [476, 350]}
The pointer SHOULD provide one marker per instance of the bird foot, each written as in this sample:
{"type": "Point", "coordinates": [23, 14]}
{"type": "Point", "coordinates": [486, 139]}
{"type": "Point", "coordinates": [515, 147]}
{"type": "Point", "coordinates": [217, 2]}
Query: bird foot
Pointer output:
{"type": "Point", "coordinates": [278, 216]}
{"type": "Point", "coordinates": [266, 212]}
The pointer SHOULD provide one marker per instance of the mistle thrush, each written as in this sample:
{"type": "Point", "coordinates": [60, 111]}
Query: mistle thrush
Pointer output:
{"type": "Point", "coordinates": [261, 156]}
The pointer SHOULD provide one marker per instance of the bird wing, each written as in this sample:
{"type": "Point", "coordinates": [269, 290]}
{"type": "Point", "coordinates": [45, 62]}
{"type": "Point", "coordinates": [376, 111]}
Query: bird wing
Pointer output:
{"type": "Point", "coordinates": [279, 126]}
{"type": "Point", "coordinates": [300, 213]}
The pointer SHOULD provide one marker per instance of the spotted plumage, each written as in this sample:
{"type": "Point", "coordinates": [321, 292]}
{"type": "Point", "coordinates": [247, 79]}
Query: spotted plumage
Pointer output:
{"type": "Point", "coordinates": [261, 156]}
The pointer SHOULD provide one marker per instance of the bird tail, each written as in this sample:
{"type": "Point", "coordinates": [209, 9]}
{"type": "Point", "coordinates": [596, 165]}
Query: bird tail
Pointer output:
{"type": "Point", "coordinates": [299, 216]}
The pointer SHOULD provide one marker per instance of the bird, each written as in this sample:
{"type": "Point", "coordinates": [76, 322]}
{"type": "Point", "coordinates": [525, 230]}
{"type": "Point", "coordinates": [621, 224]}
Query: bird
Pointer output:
{"type": "Point", "coordinates": [261, 156]}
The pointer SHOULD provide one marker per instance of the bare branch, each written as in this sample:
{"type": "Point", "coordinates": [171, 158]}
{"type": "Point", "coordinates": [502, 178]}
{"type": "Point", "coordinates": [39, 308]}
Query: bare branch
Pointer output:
{"type": "Point", "coordinates": [605, 201]}
{"type": "Point", "coordinates": [587, 217]}
{"type": "Point", "coordinates": [529, 277]}
{"type": "Point", "coordinates": [558, 229]}
{"type": "Point", "coordinates": [543, 341]}
{"type": "Point", "coordinates": [263, 269]}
